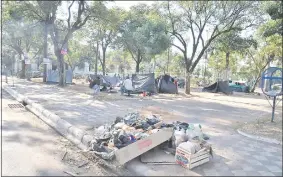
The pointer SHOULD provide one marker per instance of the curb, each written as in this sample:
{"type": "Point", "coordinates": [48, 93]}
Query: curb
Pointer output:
{"type": "Point", "coordinates": [259, 138]}
{"type": "Point", "coordinates": [75, 135]}
{"type": "Point", "coordinates": [72, 133]}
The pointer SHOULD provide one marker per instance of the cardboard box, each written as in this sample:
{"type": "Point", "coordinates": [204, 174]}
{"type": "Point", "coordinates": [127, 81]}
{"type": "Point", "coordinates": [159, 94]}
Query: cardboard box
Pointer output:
{"type": "Point", "coordinates": [135, 149]}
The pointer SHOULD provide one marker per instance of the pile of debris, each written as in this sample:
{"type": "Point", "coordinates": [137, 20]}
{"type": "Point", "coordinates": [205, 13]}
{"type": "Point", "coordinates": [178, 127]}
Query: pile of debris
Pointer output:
{"type": "Point", "coordinates": [134, 127]}
{"type": "Point", "coordinates": [124, 131]}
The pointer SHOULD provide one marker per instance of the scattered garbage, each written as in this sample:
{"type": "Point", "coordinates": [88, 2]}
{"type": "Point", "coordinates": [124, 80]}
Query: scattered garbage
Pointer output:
{"type": "Point", "coordinates": [123, 132]}
{"type": "Point", "coordinates": [187, 139]}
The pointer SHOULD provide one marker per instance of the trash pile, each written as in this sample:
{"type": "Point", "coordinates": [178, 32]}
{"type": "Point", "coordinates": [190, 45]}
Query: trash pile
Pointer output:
{"type": "Point", "coordinates": [189, 137]}
{"type": "Point", "coordinates": [124, 131]}
{"type": "Point", "coordinates": [133, 127]}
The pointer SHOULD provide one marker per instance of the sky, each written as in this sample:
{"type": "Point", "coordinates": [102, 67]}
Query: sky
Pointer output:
{"type": "Point", "coordinates": [127, 4]}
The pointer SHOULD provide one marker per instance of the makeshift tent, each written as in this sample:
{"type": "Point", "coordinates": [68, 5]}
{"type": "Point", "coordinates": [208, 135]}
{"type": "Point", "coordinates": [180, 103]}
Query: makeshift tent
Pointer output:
{"type": "Point", "coordinates": [166, 84]}
{"type": "Point", "coordinates": [109, 81]}
{"type": "Point", "coordinates": [144, 83]}
{"type": "Point", "coordinates": [53, 76]}
{"type": "Point", "coordinates": [219, 86]}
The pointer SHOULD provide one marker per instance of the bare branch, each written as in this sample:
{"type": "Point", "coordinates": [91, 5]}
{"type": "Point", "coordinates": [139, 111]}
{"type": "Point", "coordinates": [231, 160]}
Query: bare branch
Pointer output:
{"type": "Point", "coordinates": [84, 22]}
{"type": "Point", "coordinates": [178, 47]}
{"type": "Point", "coordinates": [39, 50]}
{"type": "Point", "coordinates": [208, 43]}
{"type": "Point", "coordinates": [202, 41]}
{"type": "Point", "coordinates": [69, 12]}
{"type": "Point", "coordinates": [136, 60]}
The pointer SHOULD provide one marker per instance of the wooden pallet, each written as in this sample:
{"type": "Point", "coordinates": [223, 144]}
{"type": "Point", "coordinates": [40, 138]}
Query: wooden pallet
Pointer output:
{"type": "Point", "coordinates": [190, 161]}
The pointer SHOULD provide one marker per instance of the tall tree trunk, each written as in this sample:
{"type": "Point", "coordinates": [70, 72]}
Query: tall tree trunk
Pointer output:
{"type": "Point", "coordinates": [103, 60]}
{"type": "Point", "coordinates": [188, 82]}
{"type": "Point", "coordinates": [168, 60]}
{"type": "Point", "coordinates": [96, 59]}
{"type": "Point", "coordinates": [60, 58]}
{"type": "Point", "coordinates": [255, 83]}
{"type": "Point", "coordinates": [227, 66]}
{"type": "Point", "coordinates": [45, 48]}
{"type": "Point", "coordinates": [23, 72]}
{"type": "Point", "coordinates": [138, 62]}
{"type": "Point", "coordinates": [137, 67]}
{"type": "Point", "coordinates": [188, 74]}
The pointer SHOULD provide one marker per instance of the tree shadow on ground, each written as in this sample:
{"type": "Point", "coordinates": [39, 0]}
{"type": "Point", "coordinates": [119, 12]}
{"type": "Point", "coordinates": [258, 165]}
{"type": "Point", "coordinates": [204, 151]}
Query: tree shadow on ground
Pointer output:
{"type": "Point", "coordinates": [25, 133]}
{"type": "Point", "coordinates": [62, 103]}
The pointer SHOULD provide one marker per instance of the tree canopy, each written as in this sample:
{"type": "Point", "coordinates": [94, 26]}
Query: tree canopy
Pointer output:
{"type": "Point", "coordinates": [239, 37]}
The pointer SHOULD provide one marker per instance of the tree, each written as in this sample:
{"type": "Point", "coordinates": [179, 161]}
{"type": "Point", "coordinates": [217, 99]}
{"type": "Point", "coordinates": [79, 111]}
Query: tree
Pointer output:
{"type": "Point", "coordinates": [142, 34]}
{"type": "Point", "coordinates": [163, 61]}
{"type": "Point", "coordinates": [8, 58]}
{"type": "Point", "coordinates": [227, 45]}
{"type": "Point", "coordinates": [274, 25]}
{"type": "Point", "coordinates": [108, 30]}
{"type": "Point", "coordinates": [60, 34]}
{"type": "Point", "coordinates": [121, 59]}
{"type": "Point", "coordinates": [40, 12]}
{"type": "Point", "coordinates": [76, 53]}
{"type": "Point", "coordinates": [269, 51]}
{"type": "Point", "coordinates": [21, 35]}
{"type": "Point", "coordinates": [219, 17]}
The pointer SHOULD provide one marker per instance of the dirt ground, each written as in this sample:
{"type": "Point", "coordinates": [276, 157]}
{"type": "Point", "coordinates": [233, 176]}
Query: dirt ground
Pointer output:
{"type": "Point", "coordinates": [261, 127]}
{"type": "Point", "coordinates": [265, 128]}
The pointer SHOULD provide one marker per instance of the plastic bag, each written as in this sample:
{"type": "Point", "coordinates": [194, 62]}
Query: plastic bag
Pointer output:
{"type": "Point", "coordinates": [179, 137]}
{"type": "Point", "coordinates": [194, 130]}
{"type": "Point", "coordinates": [119, 125]}
{"type": "Point", "coordinates": [190, 147]}
{"type": "Point", "coordinates": [105, 155]}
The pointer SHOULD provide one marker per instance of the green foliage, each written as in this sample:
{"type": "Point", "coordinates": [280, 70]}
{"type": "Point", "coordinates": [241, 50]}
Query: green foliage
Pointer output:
{"type": "Point", "coordinates": [119, 58]}
{"type": "Point", "coordinates": [143, 34]}
{"type": "Point", "coordinates": [19, 33]}
{"type": "Point", "coordinates": [77, 53]}
{"type": "Point", "coordinates": [274, 25]}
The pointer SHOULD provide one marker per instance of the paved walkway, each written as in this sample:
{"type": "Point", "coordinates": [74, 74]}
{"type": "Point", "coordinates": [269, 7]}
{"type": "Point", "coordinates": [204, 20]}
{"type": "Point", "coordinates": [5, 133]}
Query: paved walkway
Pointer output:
{"type": "Point", "coordinates": [32, 148]}
{"type": "Point", "coordinates": [234, 154]}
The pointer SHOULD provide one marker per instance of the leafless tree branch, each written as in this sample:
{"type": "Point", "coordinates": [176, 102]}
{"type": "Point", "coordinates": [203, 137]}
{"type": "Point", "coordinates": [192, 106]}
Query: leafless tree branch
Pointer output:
{"type": "Point", "coordinates": [70, 14]}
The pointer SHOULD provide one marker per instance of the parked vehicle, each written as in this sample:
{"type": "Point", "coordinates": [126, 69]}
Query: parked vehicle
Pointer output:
{"type": "Point", "coordinates": [239, 86]}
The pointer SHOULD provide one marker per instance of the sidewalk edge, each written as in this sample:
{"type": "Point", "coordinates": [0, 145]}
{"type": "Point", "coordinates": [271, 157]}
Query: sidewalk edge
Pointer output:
{"type": "Point", "coordinates": [259, 138]}
{"type": "Point", "coordinates": [63, 127]}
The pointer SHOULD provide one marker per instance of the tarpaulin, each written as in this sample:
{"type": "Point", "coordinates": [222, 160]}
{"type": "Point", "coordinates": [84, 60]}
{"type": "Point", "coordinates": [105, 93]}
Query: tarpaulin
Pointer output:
{"type": "Point", "coordinates": [106, 80]}
{"type": "Point", "coordinates": [144, 83]}
{"type": "Point", "coordinates": [110, 80]}
{"type": "Point", "coordinates": [165, 85]}
{"type": "Point", "coordinates": [220, 86]}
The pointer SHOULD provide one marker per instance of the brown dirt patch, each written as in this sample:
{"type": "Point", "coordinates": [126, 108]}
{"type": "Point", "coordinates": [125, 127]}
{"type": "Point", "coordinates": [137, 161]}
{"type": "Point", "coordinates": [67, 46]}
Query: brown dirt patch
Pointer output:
{"type": "Point", "coordinates": [265, 128]}
{"type": "Point", "coordinates": [165, 115]}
